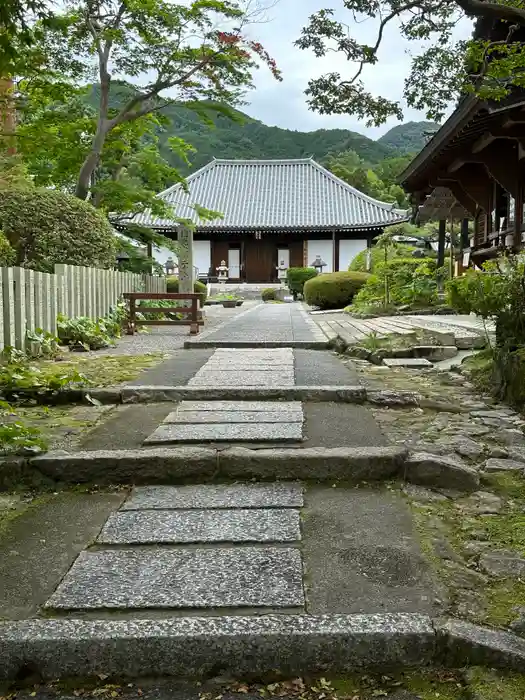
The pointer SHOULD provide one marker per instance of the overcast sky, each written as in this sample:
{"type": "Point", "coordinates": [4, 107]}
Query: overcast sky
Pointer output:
{"type": "Point", "coordinates": [284, 104]}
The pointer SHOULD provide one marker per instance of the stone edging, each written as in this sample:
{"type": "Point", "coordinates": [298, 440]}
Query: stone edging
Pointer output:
{"type": "Point", "coordinates": [175, 464]}
{"type": "Point", "coordinates": [235, 646]}
{"type": "Point", "coordinates": [157, 394]}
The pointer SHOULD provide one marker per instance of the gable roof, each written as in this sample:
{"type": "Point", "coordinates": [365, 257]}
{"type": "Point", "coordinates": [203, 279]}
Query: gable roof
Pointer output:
{"type": "Point", "coordinates": [273, 194]}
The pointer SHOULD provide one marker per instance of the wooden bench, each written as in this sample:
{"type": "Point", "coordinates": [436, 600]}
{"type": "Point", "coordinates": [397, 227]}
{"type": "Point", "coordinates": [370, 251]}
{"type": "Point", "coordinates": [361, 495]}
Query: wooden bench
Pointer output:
{"type": "Point", "coordinates": [194, 319]}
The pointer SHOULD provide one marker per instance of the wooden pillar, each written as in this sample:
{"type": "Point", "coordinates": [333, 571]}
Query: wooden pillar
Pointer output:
{"type": "Point", "coordinates": [441, 242]}
{"type": "Point", "coordinates": [518, 216]}
{"type": "Point", "coordinates": [465, 239]}
{"type": "Point", "coordinates": [335, 251]}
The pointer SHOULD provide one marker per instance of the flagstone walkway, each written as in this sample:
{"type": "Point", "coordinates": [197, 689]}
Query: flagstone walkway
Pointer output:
{"type": "Point", "coordinates": [279, 325]}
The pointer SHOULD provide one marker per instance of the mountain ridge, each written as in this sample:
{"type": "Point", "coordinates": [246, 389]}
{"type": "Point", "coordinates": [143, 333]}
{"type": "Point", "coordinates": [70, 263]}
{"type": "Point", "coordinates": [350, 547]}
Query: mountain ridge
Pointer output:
{"type": "Point", "coordinates": [253, 139]}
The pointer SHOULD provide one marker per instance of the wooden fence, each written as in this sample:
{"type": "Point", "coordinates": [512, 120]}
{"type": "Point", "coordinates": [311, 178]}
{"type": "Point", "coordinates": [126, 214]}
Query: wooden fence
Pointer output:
{"type": "Point", "coordinates": [31, 300]}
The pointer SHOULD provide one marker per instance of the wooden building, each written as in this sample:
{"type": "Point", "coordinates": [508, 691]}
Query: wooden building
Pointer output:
{"type": "Point", "coordinates": [474, 166]}
{"type": "Point", "coordinates": [273, 211]}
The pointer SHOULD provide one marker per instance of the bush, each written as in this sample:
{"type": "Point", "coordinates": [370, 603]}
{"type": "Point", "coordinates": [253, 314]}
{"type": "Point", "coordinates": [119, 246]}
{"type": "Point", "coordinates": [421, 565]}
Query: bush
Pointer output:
{"type": "Point", "coordinates": [268, 294]}
{"type": "Point", "coordinates": [333, 290]}
{"type": "Point", "coordinates": [172, 286]}
{"type": "Point", "coordinates": [83, 333]}
{"type": "Point", "coordinates": [45, 227]}
{"type": "Point", "coordinates": [296, 278]}
{"type": "Point", "coordinates": [7, 252]}
{"type": "Point", "coordinates": [412, 281]}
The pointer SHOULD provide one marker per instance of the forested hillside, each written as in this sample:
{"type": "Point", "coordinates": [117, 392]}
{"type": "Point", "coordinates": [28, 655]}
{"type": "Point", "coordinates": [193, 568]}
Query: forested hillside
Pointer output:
{"type": "Point", "coordinates": [249, 138]}
{"type": "Point", "coordinates": [409, 137]}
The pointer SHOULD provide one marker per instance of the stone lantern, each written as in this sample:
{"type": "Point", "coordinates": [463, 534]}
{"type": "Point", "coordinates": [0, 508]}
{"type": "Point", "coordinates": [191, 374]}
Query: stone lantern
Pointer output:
{"type": "Point", "coordinates": [222, 272]}
{"type": "Point", "coordinates": [318, 264]}
{"type": "Point", "coordinates": [169, 266]}
{"type": "Point", "coordinates": [282, 269]}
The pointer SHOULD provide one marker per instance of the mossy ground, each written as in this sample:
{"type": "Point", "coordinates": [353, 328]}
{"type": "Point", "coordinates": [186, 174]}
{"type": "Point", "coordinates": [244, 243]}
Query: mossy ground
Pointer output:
{"type": "Point", "coordinates": [497, 600]}
{"type": "Point", "coordinates": [102, 370]}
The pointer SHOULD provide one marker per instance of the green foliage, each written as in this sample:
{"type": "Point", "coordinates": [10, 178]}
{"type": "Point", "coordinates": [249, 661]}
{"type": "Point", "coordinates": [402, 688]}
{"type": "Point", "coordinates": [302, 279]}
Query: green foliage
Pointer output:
{"type": "Point", "coordinates": [46, 227]}
{"type": "Point", "coordinates": [498, 292]}
{"type": "Point", "coordinates": [297, 276]}
{"type": "Point", "coordinates": [333, 290]}
{"type": "Point", "coordinates": [172, 286]}
{"type": "Point", "coordinates": [489, 65]}
{"type": "Point", "coordinates": [377, 256]}
{"type": "Point", "coordinates": [412, 281]}
{"type": "Point", "coordinates": [378, 181]}
{"type": "Point", "coordinates": [177, 46]}
{"type": "Point", "coordinates": [479, 292]}
{"type": "Point", "coordinates": [7, 252]}
{"type": "Point", "coordinates": [15, 436]}
{"type": "Point", "coordinates": [269, 294]}
{"type": "Point", "coordinates": [42, 343]}
{"type": "Point", "coordinates": [21, 380]}
{"type": "Point", "coordinates": [83, 333]}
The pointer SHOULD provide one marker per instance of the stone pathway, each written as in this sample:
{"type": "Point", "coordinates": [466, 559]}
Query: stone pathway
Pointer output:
{"type": "Point", "coordinates": [278, 325]}
{"type": "Point", "coordinates": [208, 575]}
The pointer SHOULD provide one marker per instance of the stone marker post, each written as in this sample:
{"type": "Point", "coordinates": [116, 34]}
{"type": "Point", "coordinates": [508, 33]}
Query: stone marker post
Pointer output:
{"type": "Point", "coordinates": [186, 281]}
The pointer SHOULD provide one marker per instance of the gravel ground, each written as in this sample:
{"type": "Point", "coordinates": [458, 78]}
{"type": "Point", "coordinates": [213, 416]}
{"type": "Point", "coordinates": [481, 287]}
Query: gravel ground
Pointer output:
{"type": "Point", "coordinates": [167, 339]}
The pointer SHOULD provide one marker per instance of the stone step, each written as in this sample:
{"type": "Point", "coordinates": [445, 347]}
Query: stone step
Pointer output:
{"type": "Point", "coordinates": [237, 646]}
{"type": "Point", "coordinates": [169, 465]}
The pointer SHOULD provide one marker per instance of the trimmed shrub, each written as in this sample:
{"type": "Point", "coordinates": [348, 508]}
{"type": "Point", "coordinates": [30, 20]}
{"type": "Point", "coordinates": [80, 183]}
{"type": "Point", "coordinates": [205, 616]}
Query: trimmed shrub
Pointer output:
{"type": "Point", "coordinates": [45, 227]}
{"type": "Point", "coordinates": [297, 276]}
{"type": "Point", "coordinates": [334, 290]}
{"type": "Point", "coordinates": [172, 286]}
{"type": "Point", "coordinates": [268, 294]}
{"type": "Point", "coordinates": [7, 252]}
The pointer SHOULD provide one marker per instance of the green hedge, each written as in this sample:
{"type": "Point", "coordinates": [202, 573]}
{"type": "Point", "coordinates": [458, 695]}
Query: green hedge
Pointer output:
{"type": "Point", "coordinates": [172, 286]}
{"type": "Point", "coordinates": [296, 278]}
{"type": "Point", "coordinates": [45, 227]}
{"type": "Point", "coordinates": [268, 294]}
{"type": "Point", "coordinates": [333, 290]}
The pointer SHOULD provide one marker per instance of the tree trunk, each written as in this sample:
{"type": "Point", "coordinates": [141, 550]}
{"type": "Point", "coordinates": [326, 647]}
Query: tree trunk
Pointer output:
{"type": "Point", "coordinates": [7, 115]}
{"type": "Point", "coordinates": [90, 163]}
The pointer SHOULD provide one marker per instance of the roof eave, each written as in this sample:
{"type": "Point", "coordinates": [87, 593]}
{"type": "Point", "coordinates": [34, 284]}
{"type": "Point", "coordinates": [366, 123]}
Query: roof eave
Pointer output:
{"type": "Point", "coordinates": [457, 120]}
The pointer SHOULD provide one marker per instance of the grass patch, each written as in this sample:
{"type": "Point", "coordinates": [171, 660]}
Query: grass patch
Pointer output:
{"type": "Point", "coordinates": [102, 370]}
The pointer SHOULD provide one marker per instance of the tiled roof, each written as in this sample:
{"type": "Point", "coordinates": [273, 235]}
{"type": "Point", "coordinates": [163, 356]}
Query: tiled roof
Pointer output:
{"type": "Point", "coordinates": [258, 194]}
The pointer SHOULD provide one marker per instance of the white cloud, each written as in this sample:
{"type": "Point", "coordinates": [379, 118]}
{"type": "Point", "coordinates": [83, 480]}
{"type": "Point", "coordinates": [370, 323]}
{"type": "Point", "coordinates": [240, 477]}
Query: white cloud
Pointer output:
{"type": "Point", "coordinates": [284, 104]}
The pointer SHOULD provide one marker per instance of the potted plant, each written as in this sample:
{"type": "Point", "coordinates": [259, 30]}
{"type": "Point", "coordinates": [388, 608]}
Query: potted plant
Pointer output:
{"type": "Point", "coordinates": [229, 301]}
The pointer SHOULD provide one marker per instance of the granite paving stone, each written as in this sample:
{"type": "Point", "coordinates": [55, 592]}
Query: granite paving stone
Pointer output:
{"type": "Point", "coordinates": [234, 417]}
{"type": "Point", "coordinates": [276, 495]}
{"type": "Point", "coordinates": [185, 526]}
{"type": "Point", "coordinates": [240, 378]}
{"type": "Point", "coordinates": [180, 578]}
{"type": "Point", "coordinates": [288, 406]}
{"type": "Point", "coordinates": [226, 432]}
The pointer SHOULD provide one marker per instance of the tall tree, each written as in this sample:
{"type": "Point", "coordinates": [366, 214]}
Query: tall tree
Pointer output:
{"type": "Point", "coordinates": [446, 68]}
{"type": "Point", "coordinates": [194, 53]}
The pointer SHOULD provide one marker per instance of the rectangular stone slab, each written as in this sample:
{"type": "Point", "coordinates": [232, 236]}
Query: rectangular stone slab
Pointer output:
{"type": "Point", "coordinates": [277, 495]}
{"type": "Point", "coordinates": [406, 362]}
{"type": "Point", "coordinates": [239, 379]}
{"type": "Point", "coordinates": [225, 432]}
{"type": "Point", "coordinates": [187, 526]}
{"type": "Point", "coordinates": [291, 406]}
{"type": "Point", "coordinates": [234, 417]}
{"type": "Point", "coordinates": [133, 579]}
